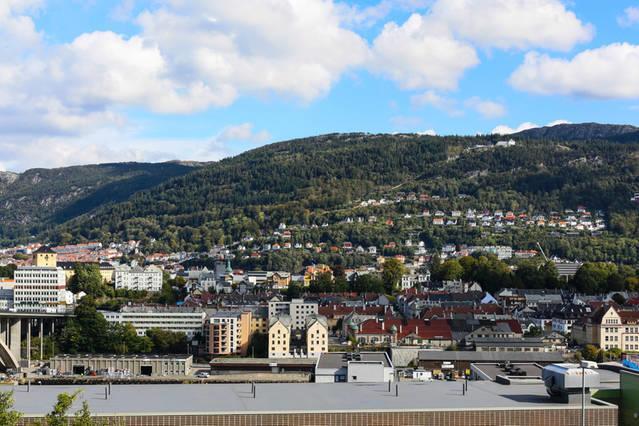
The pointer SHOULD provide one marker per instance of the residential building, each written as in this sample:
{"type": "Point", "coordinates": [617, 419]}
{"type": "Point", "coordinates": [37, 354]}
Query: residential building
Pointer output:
{"type": "Point", "coordinates": [138, 278]}
{"type": "Point", "coordinates": [395, 331]}
{"type": "Point", "coordinates": [177, 319]}
{"type": "Point", "coordinates": [6, 294]}
{"type": "Point", "coordinates": [316, 335]}
{"type": "Point", "coordinates": [228, 332]}
{"type": "Point", "coordinates": [279, 336]}
{"type": "Point", "coordinates": [609, 327]}
{"type": "Point", "coordinates": [297, 309]}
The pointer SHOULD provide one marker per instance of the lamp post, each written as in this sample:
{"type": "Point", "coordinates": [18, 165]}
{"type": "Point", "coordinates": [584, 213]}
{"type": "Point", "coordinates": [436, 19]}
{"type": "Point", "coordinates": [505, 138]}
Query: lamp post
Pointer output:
{"type": "Point", "coordinates": [583, 394]}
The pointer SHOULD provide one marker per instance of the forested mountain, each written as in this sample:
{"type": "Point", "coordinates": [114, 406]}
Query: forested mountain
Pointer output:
{"type": "Point", "coordinates": [584, 131]}
{"type": "Point", "coordinates": [324, 179]}
{"type": "Point", "coordinates": [38, 199]}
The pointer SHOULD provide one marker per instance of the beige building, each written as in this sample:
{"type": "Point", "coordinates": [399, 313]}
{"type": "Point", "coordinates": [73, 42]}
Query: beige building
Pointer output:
{"type": "Point", "coordinates": [286, 341]}
{"type": "Point", "coordinates": [316, 336]}
{"type": "Point", "coordinates": [228, 333]}
{"type": "Point", "coordinates": [279, 337]}
{"type": "Point", "coordinates": [609, 328]}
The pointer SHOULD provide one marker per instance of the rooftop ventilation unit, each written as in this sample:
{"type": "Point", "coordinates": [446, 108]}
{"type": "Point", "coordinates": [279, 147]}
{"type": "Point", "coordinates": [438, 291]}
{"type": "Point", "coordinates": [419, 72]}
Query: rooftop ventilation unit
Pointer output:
{"type": "Point", "coordinates": [564, 382]}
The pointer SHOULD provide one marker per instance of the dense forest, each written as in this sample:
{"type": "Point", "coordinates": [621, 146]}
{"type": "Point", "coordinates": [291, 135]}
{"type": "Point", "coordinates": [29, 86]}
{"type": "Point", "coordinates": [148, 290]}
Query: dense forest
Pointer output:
{"type": "Point", "coordinates": [323, 179]}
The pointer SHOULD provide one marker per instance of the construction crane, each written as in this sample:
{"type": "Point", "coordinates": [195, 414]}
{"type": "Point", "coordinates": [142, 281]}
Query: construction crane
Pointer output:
{"type": "Point", "coordinates": [542, 251]}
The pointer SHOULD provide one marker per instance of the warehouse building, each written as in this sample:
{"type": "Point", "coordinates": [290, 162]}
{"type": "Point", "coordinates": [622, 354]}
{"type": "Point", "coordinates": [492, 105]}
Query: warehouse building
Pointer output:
{"type": "Point", "coordinates": [127, 365]}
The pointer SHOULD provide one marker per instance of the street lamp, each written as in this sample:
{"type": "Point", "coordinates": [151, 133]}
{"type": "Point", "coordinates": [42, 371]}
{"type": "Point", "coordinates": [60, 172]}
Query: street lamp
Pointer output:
{"type": "Point", "coordinates": [584, 365]}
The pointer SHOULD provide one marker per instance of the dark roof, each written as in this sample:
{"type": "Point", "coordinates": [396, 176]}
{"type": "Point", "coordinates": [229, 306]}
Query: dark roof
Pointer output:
{"type": "Point", "coordinates": [338, 360]}
{"type": "Point", "coordinates": [44, 249]}
{"type": "Point", "coordinates": [473, 356]}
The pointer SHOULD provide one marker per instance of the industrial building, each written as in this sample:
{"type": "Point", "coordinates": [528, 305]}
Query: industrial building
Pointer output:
{"type": "Point", "coordinates": [127, 365]}
{"type": "Point", "coordinates": [359, 367]}
{"type": "Point", "coordinates": [418, 403]}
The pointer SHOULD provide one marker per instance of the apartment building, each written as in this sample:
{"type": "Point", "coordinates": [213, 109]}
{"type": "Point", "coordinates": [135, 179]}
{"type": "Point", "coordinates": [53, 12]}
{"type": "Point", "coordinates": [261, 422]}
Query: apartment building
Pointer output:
{"type": "Point", "coordinates": [42, 287]}
{"type": "Point", "coordinates": [138, 278]}
{"type": "Point", "coordinates": [228, 332]}
{"type": "Point", "coordinates": [176, 319]}
{"type": "Point", "coordinates": [279, 336]}
{"type": "Point", "coordinates": [297, 309]}
{"type": "Point", "coordinates": [316, 336]}
{"type": "Point", "coordinates": [284, 341]}
{"type": "Point", "coordinates": [608, 328]}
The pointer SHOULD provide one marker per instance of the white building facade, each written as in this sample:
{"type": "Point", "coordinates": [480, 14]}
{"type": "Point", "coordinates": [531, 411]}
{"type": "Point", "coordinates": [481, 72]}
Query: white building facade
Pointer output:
{"type": "Point", "coordinates": [138, 278]}
{"type": "Point", "coordinates": [40, 289]}
{"type": "Point", "coordinates": [184, 320]}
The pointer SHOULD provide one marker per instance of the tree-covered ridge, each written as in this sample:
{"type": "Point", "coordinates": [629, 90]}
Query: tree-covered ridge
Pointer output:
{"type": "Point", "coordinates": [38, 199]}
{"type": "Point", "coordinates": [313, 180]}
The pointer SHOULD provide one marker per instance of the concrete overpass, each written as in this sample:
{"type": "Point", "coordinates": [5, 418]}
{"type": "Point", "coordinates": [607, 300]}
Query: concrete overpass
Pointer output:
{"type": "Point", "coordinates": [12, 329]}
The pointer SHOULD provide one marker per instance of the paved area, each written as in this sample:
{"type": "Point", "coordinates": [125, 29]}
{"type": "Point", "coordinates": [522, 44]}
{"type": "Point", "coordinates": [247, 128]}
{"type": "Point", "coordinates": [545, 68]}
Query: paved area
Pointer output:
{"type": "Point", "coordinates": [229, 398]}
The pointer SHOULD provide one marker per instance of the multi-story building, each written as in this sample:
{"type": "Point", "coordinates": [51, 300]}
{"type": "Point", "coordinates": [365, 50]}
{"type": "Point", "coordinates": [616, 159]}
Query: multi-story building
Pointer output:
{"type": "Point", "coordinates": [228, 332]}
{"type": "Point", "coordinates": [284, 341]}
{"type": "Point", "coordinates": [609, 328]}
{"type": "Point", "coordinates": [316, 336]}
{"type": "Point", "coordinates": [297, 309]}
{"type": "Point", "coordinates": [279, 336]}
{"type": "Point", "coordinates": [42, 287]}
{"type": "Point", "coordinates": [6, 294]}
{"type": "Point", "coordinates": [185, 320]}
{"type": "Point", "coordinates": [138, 278]}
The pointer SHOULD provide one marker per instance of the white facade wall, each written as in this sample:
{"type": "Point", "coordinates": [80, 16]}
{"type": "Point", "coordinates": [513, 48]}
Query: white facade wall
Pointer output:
{"type": "Point", "coordinates": [40, 289]}
{"type": "Point", "coordinates": [189, 323]}
{"type": "Point", "coordinates": [147, 279]}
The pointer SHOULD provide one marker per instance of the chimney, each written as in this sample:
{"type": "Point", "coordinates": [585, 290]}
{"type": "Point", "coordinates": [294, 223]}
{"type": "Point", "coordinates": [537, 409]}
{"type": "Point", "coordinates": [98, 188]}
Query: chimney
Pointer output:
{"type": "Point", "coordinates": [417, 330]}
{"type": "Point", "coordinates": [400, 328]}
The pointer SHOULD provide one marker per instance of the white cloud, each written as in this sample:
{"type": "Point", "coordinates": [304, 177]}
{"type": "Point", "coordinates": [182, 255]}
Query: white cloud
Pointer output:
{"type": "Point", "coordinates": [486, 108]}
{"type": "Point", "coordinates": [357, 16]}
{"type": "Point", "coordinates": [506, 130]}
{"type": "Point", "coordinates": [630, 17]}
{"type": "Point", "coordinates": [123, 11]}
{"type": "Point", "coordinates": [433, 50]}
{"type": "Point", "coordinates": [429, 132]}
{"type": "Point", "coordinates": [242, 133]}
{"type": "Point", "coordinates": [513, 24]}
{"type": "Point", "coordinates": [418, 55]}
{"type": "Point", "coordinates": [607, 72]}
{"type": "Point", "coordinates": [293, 48]}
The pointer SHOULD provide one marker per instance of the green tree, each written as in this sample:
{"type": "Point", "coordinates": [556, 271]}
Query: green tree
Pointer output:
{"type": "Point", "coordinates": [8, 416]}
{"type": "Point", "coordinates": [392, 273]}
{"type": "Point", "coordinates": [59, 415]}
{"type": "Point", "coordinates": [451, 270]}
{"type": "Point", "coordinates": [87, 278]}
{"type": "Point", "coordinates": [167, 342]}
{"type": "Point", "coordinates": [590, 352]}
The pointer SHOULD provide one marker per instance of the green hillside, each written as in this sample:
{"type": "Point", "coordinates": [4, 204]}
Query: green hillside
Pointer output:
{"type": "Point", "coordinates": [324, 179]}
{"type": "Point", "coordinates": [39, 199]}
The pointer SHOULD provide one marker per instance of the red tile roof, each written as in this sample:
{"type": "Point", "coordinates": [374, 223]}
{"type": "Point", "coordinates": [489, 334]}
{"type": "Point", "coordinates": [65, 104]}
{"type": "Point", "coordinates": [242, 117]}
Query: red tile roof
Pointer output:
{"type": "Point", "coordinates": [434, 329]}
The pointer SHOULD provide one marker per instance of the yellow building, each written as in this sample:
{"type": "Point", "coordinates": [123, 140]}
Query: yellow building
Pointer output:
{"type": "Point", "coordinates": [316, 336]}
{"type": "Point", "coordinates": [44, 257]}
{"type": "Point", "coordinates": [279, 337]}
{"type": "Point", "coordinates": [609, 328]}
{"type": "Point", "coordinates": [106, 270]}
{"type": "Point", "coordinates": [312, 272]}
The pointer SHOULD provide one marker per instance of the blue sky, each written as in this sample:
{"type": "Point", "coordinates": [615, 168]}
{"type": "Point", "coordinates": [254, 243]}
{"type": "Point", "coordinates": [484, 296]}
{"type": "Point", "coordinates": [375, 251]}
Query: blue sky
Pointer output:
{"type": "Point", "coordinates": [128, 80]}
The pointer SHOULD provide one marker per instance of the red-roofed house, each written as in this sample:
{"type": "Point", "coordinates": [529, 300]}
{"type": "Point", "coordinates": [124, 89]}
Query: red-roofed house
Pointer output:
{"type": "Point", "coordinates": [435, 333]}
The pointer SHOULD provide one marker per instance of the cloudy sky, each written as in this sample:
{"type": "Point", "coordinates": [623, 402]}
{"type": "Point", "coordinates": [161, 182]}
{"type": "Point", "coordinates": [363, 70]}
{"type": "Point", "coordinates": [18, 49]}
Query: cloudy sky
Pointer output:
{"type": "Point", "coordinates": [88, 81]}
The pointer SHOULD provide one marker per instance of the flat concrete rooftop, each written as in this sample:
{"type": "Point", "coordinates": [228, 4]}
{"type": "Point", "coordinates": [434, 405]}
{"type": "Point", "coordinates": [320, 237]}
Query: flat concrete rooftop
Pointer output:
{"type": "Point", "coordinates": [287, 398]}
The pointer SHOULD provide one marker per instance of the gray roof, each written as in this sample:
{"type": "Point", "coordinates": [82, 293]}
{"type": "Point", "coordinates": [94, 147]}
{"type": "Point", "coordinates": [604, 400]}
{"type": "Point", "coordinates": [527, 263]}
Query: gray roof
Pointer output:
{"type": "Point", "coordinates": [490, 356]}
{"type": "Point", "coordinates": [336, 360]}
{"type": "Point", "coordinates": [283, 398]}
